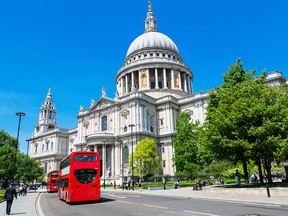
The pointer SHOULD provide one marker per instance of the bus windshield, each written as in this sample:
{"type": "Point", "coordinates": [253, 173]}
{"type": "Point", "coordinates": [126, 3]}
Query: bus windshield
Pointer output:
{"type": "Point", "coordinates": [85, 176]}
{"type": "Point", "coordinates": [54, 174]}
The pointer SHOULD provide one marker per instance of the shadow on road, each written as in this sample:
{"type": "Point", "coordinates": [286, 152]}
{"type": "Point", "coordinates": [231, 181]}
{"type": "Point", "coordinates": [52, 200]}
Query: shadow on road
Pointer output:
{"type": "Point", "coordinates": [102, 200]}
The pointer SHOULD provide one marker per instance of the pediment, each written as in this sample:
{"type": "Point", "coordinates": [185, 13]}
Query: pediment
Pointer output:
{"type": "Point", "coordinates": [101, 103]}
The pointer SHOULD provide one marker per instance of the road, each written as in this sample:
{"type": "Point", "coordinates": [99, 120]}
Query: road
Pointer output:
{"type": "Point", "coordinates": [129, 203]}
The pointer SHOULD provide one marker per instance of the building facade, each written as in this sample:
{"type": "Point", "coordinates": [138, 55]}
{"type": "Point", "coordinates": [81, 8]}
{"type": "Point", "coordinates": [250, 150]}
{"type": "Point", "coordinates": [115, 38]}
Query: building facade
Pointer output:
{"type": "Point", "coordinates": [153, 86]}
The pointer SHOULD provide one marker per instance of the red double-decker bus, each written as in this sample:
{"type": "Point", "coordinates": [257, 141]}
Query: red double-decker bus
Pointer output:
{"type": "Point", "coordinates": [53, 178]}
{"type": "Point", "coordinates": [80, 177]}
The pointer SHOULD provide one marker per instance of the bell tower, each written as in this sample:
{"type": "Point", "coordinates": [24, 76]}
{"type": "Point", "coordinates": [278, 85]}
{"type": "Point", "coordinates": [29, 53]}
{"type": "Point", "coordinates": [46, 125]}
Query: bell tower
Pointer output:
{"type": "Point", "coordinates": [47, 115]}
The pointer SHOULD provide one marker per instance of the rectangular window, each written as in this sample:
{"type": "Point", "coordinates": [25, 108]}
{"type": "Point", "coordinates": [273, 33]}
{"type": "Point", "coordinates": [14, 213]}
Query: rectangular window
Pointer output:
{"type": "Point", "coordinates": [164, 163]}
{"type": "Point", "coordinates": [104, 123]}
{"type": "Point", "coordinates": [65, 163]}
{"type": "Point", "coordinates": [163, 150]}
{"type": "Point", "coordinates": [161, 122]}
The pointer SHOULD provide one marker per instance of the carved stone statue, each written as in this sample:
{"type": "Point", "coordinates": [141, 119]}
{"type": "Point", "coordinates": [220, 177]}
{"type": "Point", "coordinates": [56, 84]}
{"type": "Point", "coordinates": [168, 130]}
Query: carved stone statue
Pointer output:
{"type": "Point", "coordinates": [103, 92]}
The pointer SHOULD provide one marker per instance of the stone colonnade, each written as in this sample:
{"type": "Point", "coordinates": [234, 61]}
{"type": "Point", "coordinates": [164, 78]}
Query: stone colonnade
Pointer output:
{"type": "Point", "coordinates": [114, 161]}
{"type": "Point", "coordinates": [154, 78]}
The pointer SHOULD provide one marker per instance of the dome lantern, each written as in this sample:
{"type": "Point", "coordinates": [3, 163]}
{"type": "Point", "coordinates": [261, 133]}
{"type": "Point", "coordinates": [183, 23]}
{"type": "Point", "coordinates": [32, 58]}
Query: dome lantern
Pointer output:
{"type": "Point", "coordinates": [150, 22]}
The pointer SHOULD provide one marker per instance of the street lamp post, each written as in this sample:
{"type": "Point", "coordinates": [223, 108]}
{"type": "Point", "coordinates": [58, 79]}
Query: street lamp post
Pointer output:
{"type": "Point", "coordinates": [104, 162]}
{"type": "Point", "coordinates": [131, 129]}
{"type": "Point", "coordinates": [121, 160]}
{"type": "Point", "coordinates": [122, 170]}
{"type": "Point", "coordinates": [20, 114]}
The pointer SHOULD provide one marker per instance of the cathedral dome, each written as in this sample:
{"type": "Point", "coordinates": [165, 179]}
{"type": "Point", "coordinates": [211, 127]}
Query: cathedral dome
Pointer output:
{"type": "Point", "coordinates": [153, 65]}
{"type": "Point", "coordinates": [152, 39]}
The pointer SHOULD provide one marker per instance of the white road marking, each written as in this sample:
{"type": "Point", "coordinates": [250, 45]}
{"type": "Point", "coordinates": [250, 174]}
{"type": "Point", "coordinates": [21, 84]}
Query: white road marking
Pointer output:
{"type": "Point", "coordinates": [125, 202]}
{"type": "Point", "coordinates": [253, 204]}
{"type": "Point", "coordinates": [161, 207]}
{"type": "Point", "coordinates": [120, 197]}
{"type": "Point", "coordinates": [199, 213]}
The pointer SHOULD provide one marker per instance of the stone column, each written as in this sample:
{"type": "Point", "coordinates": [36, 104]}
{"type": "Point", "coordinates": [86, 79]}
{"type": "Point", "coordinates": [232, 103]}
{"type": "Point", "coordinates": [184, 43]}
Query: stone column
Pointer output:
{"type": "Point", "coordinates": [172, 79]}
{"type": "Point", "coordinates": [104, 159]}
{"type": "Point", "coordinates": [126, 82]}
{"type": "Point", "coordinates": [118, 159]}
{"type": "Point", "coordinates": [156, 79]}
{"type": "Point", "coordinates": [132, 81]}
{"type": "Point", "coordinates": [122, 86]}
{"type": "Point", "coordinates": [141, 122]}
{"type": "Point", "coordinates": [165, 78]}
{"type": "Point", "coordinates": [179, 78]}
{"type": "Point", "coordinates": [190, 84]}
{"type": "Point", "coordinates": [112, 168]}
{"type": "Point", "coordinates": [139, 79]}
{"type": "Point", "coordinates": [185, 82]}
{"type": "Point", "coordinates": [148, 79]}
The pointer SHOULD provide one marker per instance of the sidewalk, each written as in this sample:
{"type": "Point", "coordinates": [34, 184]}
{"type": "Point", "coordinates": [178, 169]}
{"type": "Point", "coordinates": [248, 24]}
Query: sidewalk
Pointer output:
{"type": "Point", "coordinates": [215, 194]}
{"type": "Point", "coordinates": [23, 205]}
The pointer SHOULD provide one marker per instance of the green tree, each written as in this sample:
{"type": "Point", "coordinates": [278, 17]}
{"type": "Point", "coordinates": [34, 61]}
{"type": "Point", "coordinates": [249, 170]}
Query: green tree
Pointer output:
{"type": "Point", "coordinates": [225, 128]}
{"type": "Point", "coordinates": [247, 119]}
{"type": "Point", "coordinates": [186, 144]}
{"type": "Point", "coordinates": [6, 139]}
{"type": "Point", "coordinates": [269, 126]}
{"type": "Point", "coordinates": [145, 159]}
{"type": "Point", "coordinates": [6, 163]}
{"type": "Point", "coordinates": [27, 169]}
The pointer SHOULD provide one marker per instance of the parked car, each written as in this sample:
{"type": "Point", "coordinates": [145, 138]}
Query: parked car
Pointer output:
{"type": "Point", "coordinates": [33, 187]}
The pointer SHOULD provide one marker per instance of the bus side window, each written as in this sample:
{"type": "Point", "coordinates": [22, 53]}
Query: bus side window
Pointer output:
{"type": "Point", "coordinates": [66, 183]}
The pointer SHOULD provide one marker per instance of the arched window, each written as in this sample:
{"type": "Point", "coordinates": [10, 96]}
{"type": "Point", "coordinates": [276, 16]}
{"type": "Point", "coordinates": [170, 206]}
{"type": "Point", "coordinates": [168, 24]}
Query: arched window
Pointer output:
{"type": "Point", "coordinates": [104, 123]}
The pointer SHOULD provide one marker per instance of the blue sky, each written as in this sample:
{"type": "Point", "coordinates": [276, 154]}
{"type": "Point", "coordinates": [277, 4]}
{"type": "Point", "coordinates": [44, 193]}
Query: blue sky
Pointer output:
{"type": "Point", "coordinates": [77, 47]}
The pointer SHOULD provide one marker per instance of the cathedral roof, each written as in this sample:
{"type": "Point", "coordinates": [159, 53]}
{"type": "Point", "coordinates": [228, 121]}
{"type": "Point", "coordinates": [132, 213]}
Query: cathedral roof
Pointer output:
{"type": "Point", "coordinates": [152, 40]}
{"type": "Point", "coordinates": [151, 37]}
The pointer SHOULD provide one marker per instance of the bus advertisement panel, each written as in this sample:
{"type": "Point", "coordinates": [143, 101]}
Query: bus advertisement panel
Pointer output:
{"type": "Point", "coordinates": [53, 178]}
{"type": "Point", "coordinates": [80, 177]}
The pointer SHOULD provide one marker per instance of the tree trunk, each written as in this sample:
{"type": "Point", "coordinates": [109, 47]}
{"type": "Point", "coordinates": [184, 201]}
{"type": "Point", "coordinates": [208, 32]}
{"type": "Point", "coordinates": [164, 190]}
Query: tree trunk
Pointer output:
{"type": "Point", "coordinates": [260, 171]}
{"type": "Point", "coordinates": [268, 171]}
{"type": "Point", "coordinates": [245, 171]}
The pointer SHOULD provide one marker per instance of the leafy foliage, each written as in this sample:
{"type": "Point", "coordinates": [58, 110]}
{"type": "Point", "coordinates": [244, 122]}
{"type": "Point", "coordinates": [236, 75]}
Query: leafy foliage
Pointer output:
{"type": "Point", "coordinates": [247, 119]}
{"type": "Point", "coordinates": [145, 159]}
{"type": "Point", "coordinates": [186, 145]}
{"type": "Point", "coordinates": [6, 139]}
{"type": "Point", "coordinates": [25, 168]}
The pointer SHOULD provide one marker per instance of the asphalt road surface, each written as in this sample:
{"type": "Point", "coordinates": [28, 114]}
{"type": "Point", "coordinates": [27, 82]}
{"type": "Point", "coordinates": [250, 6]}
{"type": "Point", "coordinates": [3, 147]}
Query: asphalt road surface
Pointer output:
{"type": "Point", "coordinates": [129, 203]}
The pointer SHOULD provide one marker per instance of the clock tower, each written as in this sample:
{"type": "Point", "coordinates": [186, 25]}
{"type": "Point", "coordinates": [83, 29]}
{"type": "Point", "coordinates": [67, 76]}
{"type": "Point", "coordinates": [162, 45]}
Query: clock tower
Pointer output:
{"type": "Point", "coordinates": [47, 115]}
